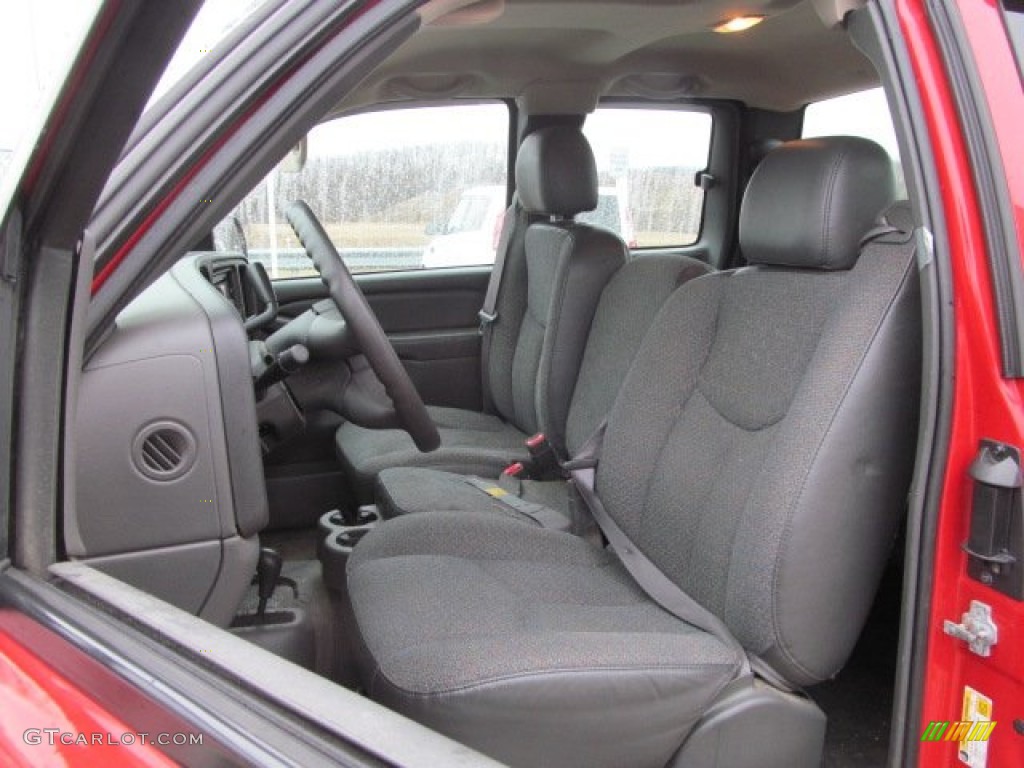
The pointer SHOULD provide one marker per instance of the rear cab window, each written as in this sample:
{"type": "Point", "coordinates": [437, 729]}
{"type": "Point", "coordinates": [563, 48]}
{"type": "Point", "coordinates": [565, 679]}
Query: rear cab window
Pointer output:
{"type": "Point", "coordinates": [647, 160]}
{"type": "Point", "coordinates": [426, 187]}
{"type": "Point", "coordinates": [864, 114]}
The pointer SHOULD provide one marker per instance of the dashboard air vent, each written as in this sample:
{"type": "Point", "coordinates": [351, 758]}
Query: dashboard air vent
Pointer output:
{"type": "Point", "coordinates": [164, 451]}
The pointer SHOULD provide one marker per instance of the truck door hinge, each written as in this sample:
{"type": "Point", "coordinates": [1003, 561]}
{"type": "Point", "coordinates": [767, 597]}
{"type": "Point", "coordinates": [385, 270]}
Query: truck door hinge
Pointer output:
{"type": "Point", "coordinates": [976, 628]}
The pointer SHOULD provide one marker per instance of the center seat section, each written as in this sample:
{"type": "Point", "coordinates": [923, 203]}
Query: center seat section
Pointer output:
{"type": "Point", "coordinates": [628, 306]}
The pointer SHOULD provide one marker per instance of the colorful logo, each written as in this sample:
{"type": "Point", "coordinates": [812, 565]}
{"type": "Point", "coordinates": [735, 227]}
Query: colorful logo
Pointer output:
{"type": "Point", "coordinates": [961, 730]}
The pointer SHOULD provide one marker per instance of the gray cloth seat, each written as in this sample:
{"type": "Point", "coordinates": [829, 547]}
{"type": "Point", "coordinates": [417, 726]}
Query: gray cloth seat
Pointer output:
{"type": "Point", "coordinates": [471, 442]}
{"type": "Point", "coordinates": [411, 490]}
{"type": "Point", "coordinates": [626, 309]}
{"type": "Point", "coordinates": [554, 273]}
{"type": "Point", "coordinates": [758, 454]}
{"type": "Point", "coordinates": [569, 641]}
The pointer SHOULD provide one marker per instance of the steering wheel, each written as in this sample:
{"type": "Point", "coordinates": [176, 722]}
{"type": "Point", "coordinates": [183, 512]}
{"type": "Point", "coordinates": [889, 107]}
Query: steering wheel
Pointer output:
{"type": "Point", "coordinates": [407, 405]}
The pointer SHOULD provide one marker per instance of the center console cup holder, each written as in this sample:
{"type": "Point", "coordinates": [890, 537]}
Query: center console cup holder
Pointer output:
{"type": "Point", "coordinates": [338, 538]}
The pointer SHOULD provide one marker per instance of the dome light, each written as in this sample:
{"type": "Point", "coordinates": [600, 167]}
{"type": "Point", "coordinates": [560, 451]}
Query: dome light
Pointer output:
{"type": "Point", "coordinates": [738, 24]}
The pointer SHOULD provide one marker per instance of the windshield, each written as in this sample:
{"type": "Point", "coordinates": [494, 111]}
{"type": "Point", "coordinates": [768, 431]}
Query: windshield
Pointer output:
{"type": "Point", "coordinates": [38, 42]}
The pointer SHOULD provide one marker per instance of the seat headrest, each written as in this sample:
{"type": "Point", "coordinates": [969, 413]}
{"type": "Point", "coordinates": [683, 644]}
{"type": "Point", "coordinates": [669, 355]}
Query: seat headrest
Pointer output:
{"type": "Point", "coordinates": [556, 174]}
{"type": "Point", "coordinates": [809, 202]}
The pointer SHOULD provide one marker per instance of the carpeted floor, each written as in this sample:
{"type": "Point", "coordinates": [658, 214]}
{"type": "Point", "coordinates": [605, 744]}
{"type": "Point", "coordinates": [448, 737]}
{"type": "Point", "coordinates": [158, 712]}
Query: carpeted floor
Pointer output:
{"type": "Point", "coordinates": [859, 701]}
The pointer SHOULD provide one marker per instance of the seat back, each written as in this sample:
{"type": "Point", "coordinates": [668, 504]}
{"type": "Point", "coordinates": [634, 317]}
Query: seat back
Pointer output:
{"type": "Point", "coordinates": [550, 292]}
{"type": "Point", "coordinates": [760, 450]}
{"type": "Point", "coordinates": [628, 306]}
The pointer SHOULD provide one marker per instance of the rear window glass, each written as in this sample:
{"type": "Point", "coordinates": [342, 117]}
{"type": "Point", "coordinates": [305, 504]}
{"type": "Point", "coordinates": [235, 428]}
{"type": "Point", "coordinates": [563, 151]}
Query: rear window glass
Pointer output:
{"type": "Point", "coordinates": [865, 114]}
{"type": "Point", "coordinates": [647, 160]}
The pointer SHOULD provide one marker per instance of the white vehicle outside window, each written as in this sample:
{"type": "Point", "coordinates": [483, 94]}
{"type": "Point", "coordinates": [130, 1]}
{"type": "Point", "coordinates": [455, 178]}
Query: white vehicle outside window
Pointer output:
{"type": "Point", "coordinates": [385, 185]}
{"type": "Point", "coordinates": [472, 233]}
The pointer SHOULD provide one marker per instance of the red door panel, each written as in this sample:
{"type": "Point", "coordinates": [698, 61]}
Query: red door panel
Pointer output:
{"type": "Point", "coordinates": [986, 405]}
{"type": "Point", "coordinates": [48, 721]}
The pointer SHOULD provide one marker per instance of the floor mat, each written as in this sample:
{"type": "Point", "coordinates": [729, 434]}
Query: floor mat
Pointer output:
{"type": "Point", "coordinates": [859, 701]}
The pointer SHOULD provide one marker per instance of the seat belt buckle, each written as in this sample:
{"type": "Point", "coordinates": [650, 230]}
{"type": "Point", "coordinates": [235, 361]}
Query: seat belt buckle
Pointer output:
{"type": "Point", "coordinates": [511, 478]}
{"type": "Point", "coordinates": [537, 443]}
{"type": "Point", "coordinates": [486, 319]}
{"type": "Point", "coordinates": [544, 464]}
{"type": "Point", "coordinates": [514, 470]}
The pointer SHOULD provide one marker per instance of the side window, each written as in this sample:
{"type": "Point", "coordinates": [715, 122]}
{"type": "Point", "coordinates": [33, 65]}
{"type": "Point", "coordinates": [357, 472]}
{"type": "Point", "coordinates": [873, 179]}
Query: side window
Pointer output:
{"type": "Point", "coordinates": [647, 160]}
{"type": "Point", "coordinates": [865, 114]}
{"type": "Point", "coordinates": [395, 189]}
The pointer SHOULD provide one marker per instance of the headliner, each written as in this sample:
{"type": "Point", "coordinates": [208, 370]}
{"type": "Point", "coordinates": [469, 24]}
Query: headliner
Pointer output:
{"type": "Point", "coordinates": [562, 55]}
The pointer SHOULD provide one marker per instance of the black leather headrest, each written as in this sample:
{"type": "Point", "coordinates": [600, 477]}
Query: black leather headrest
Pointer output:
{"type": "Point", "coordinates": [809, 202]}
{"type": "Point", "coordinates": [555, 172]}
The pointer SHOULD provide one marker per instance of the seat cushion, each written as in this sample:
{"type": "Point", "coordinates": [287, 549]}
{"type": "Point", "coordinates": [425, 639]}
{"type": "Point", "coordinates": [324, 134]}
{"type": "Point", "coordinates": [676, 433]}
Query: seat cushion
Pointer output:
{"type": "Point", "coordinates": [528, 644]}
{"type": "Point", "coordinates": [471, 443]}
{"type": "Point", "coordinates": [405, 490]}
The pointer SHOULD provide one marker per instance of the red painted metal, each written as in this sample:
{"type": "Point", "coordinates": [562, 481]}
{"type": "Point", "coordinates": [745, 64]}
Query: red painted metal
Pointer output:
{"type": "Point", "coordinates": [985, 404]}
{"type": "Point", "coordinates": [42, 711]}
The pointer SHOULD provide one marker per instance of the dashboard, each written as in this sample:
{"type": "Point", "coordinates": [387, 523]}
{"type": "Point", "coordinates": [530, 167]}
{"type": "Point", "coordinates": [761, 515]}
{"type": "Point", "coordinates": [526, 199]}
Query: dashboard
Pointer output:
{"type": "Point", "coordinates": [169, 489]}
{"type": "Point", "coordinates": [245, 284]}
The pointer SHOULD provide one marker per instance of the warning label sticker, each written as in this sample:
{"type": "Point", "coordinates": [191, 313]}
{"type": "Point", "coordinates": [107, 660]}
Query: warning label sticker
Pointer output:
{"type": "Point", "coordinates": [978, 710]}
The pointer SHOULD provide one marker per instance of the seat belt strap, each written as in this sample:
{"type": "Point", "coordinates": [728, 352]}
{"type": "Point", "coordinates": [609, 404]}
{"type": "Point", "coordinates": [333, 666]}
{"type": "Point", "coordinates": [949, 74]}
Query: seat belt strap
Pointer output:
{"type": "Point", "coordinates": [488, 313]}
{"type": "Point", "coordinates": [590, 452]}
{"type": "Point", "coordinates": [545, 517]}
{"type": "Point", "coordinates": [648, 576]}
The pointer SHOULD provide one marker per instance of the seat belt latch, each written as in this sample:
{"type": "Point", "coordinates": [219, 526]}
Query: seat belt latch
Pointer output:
{"type": "Point", "coordinates": [486, 319]}
{"type": "Point", "coordinates": [514, 470]}
{"type": "Point", "coordinates": [544, 464]}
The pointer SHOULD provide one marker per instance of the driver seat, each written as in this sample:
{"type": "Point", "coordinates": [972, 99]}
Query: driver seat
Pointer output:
{"type": "Point", "coordinates": [552, 282]}
{"type": "Point", "coordinates": [758, 455]}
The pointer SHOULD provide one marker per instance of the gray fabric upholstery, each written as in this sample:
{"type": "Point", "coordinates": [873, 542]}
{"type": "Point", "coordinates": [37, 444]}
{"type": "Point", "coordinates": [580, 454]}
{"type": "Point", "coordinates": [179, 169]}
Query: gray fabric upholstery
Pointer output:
{"type": "Point", "coordinates": [627, 306]}
{"type": "Point", "coordinates": [545, 306]}
{"type": "Point", "coordinates": [809, 202]}
{"type": "Point", "coordinates": [528, 644]}
{"type": "Point", "coordinates": [555, 172]}
{"type": "Point", "coordinates": [625, 312]}
{"type": "Point", "coordinates": [591, 257]}
{"type": "Point", "coordinates": [769, 478]}
{"type": "Point", "coordinates": [407, 490]}
{"type": "Point", "coordinates": [511, 311]}
{"type": "Point", "coordinates": [473, 443]}
{"type": "Point", "coordinates": [759, 453]}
